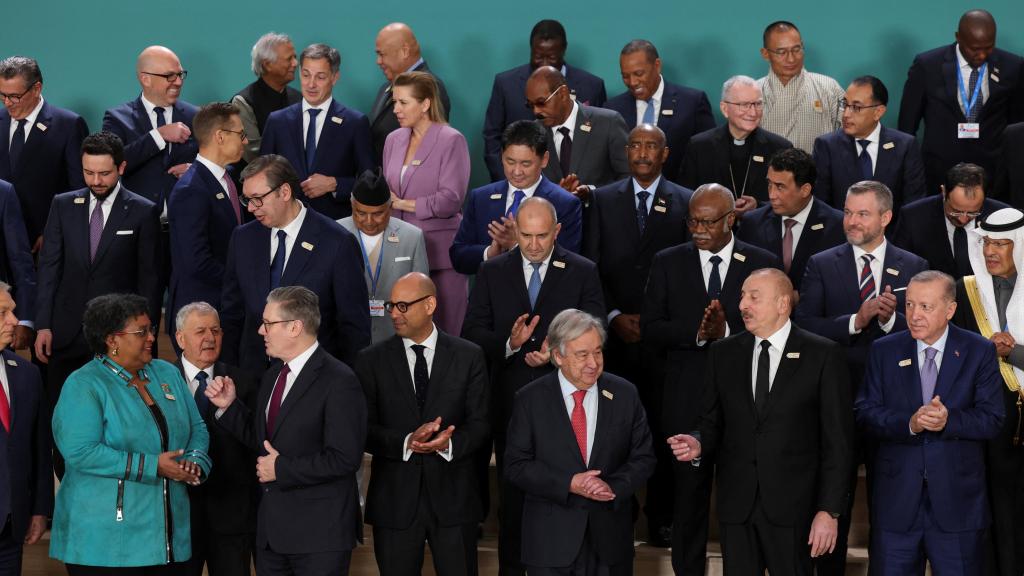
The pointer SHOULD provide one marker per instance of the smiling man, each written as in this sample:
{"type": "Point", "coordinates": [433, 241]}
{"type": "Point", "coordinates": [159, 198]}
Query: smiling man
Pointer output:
{"type": "Point", "coordinates": [274, 64]}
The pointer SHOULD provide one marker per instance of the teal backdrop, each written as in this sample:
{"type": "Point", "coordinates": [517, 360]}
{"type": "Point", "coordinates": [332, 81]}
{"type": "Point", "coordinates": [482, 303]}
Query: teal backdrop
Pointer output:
{"type": "Point", "coordinates": [87, 50]}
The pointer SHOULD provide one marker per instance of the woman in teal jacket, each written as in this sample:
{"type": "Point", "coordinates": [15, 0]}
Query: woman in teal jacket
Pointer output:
{"type": "Point", "coordinates": [133, 440]}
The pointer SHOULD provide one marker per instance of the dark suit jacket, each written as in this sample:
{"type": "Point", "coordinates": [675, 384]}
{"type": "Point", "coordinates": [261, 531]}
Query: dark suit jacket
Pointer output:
{"type": "Point", "coordinates": [1010, 176]}
{"type": "Point", "coordinates": [598, 155]}
{"type": "Point", "coordinates": [930, 94]}
{"type": "Point", "coordinates": [798, 456]}
{"type": "Point", "coordinates": [487, 204]}
{"type": "Point", "coordinates": [16, 266]}
{"type": "Point", "coordinates": [201, 220]}
{"type": "Point", "coordinates": [342, 152]}
{"type": "Point", "coordinates": [922, 231]}
{"type": "Point", "coordinates": [952, 460]}
{"type": "Point", "coordinates": [382, 115]}
{"type": "Point", "coordinates": [543, 455]}
{"type": "Point", "coordinates": [126, 260]}
{"type": "Point", "coordinates": [50, 163]}
{"type": "Point", "coordinates": [613, 241]}
{"type": "Point", "coordinates": [829, 295]}
{"type": "Point", "coordinates": [458, 394]}
{"type": "Point", "coordinates": [147, 165]}
{"type": "Point", "coordinates": [320, 432]}
{"type": "Point", "coordinates": [673, 309]}
{"type": "Point", "coordinates": [898, 166]}
{"type": "Point", "coordinates": [684, 112]}
{"type": "Point", "coordinates": [325, 258]}
{"type": "Point", "coordinates": [507, 104]}
{"type": "Point", "coordinates": [499, 297]}
{"type": "Point", "coordinates": [824, 229]}
{"type": "Point", "coordinates": [26, 473]}
{"type": "Point", "coordinates": [707, 160]}
{"type": "Point", "coordinates": [226, 502]}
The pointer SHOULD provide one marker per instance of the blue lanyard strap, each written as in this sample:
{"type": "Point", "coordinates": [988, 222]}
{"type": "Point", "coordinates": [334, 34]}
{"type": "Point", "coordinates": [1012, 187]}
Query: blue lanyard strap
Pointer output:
{"type": "Point", "coordinates": [366, 262]}
{"type": "Point", "coordinates": [969, 105]}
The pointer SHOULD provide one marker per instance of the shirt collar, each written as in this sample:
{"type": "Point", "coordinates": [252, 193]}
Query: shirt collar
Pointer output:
{"type": "Point", "coordinates": [293, 227]}
{"type": "Point", "coordinates": [108, 200]}
{"type": "Point", "coordinates": [149, 106]}
{"type": "Point", "coordinates": [878, 252]}
{"type": "Point", "coordinates": [964, 65]}
{"type": "Point", "coordinates": [939, 344]}
{"type": "Point", "coordinates": [430, 343]}
{"type": "Point", "coordinates": [528, 192]}
{"type": "Point", "coordinates": [543, 265]}
{"type": "Point", "coordinates": [325, 105]}
{"type": "Point", "coordinates": [415, 65]}
{"type": "Point", "coordinates": [217, 170]}
{"type": "Point", "coordinates": [570, 122]}
{"type": "Point", "coordinates": [874, 137]}
{"type": "Point", "coordinates": [637, 188]}
{"type": "Point", "coordinates": [295, 365]}
{"type": "Point", "coordinates": [776, 82]}
{"type": "Point", "coordinates": [725, 253]}
{"type": "Point", "coordinates": [568, 388]}
{"type": "Point", "coordinates": [802, 215]}
{"type": "Point", "coordinates": [778, 339]}
{"type": "Point", "coordinates": [191, 369]}
{"type": "Point", "coordinates": [660, 91]}
{"type": "Point", "coordinates": [31, 118]}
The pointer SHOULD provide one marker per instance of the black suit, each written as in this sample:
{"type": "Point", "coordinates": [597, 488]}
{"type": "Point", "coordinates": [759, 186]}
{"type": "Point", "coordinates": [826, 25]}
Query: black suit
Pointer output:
{"type": "Point", "coordinates": [930, 94]}
{"type": "Point", "coordinates": [822, 230]}
{"type": "Point", "coordinates": [1010, 176]}
{"type": "Point", "coordinates": [776, 471]}
{"type": "Point", "coordinates": [707, 161]}
{"type": "Point", "coordinates": [499, 297]}
{"type": "Point", "coordinates": [223, 509]}
{"type": "Point", "coordinates": [425, 495]}
{"type": "Point", "coordinates": [382, 115]}
{"type": "Point", "coordinates": [311, 511]}
{"type": "Point", "coordinates": [673, 309]}
{"type": "Point", "coordinates": [542, 456]}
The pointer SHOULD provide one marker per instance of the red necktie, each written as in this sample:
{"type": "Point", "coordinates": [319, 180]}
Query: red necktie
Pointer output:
{"type": "Point", "coordinates": [5, 410]}
{"type": "Point", "coordinates": [579, 422]}
{"type": "Point", "coordinates": [275, 400]}
{"type": "Point", "coordinates": [233, 195]}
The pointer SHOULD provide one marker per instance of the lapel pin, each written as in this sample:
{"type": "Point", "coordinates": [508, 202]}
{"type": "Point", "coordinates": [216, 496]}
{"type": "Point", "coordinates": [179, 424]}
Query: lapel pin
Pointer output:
{"type": "Point", "coordinates": [661, 209]}
{"type": "Point", "coordinates": [337, 120]}
{"type": "Point", "coordinates": [393, 237]}
{"type": "Point", "coordinates": [607, 394]}
{"type": "Point", "coordinates": [994, 77]}
{"type": "Point", "coordinates": [893, 271]}
{"type": "Point", "coordinates": [758, 158]}
{"type": "Point", "coordinates": [558, 264]}
{"type": "Point", "coordinates": [79, 200]}
{"type": "Point", "coordinates": [417, 162]}
{"type": "Point", "coordinates": [793, 355]}
{"type": "Point", "coordinates": [661, 200]}
{"type": "Point", "coordinates": [585, 127]}
{"type": "Point", "coordinates": [41, 126]}
{"type": "Point", "coordinates": [170, 397]}
{"type": "Point", "coordinates": [12, 363]}
{"type": "Point", "coordinates": [307, 246]}
{"type": "Point", "coordinates": [220, 196]}
{"type": "Point", "coordinates": [956, 353]}
{"type": "Point", "coordinates": [739, 256]}
{"type": "Point", "coordinates": [666, 112]}
{"type": "Point", "coordinates": [495, 196]}
{"type": "Point", "coordinates": [888, 146]}
{"type": "Point", "coordinates": [817, 226]}
{"type": "Point", "coordinates": [905, 362]}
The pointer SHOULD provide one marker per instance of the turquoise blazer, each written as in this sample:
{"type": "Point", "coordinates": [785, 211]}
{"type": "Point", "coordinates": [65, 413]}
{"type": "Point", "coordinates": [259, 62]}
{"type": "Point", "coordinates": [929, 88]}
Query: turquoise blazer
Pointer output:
{"type": "Point", "coordinates": [110, 507]}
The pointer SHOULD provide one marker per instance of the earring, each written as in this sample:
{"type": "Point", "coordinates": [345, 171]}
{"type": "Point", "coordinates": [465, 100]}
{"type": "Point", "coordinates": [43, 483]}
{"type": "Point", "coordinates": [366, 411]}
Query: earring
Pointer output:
{"type": "Point", "coordinates": [113, 352]}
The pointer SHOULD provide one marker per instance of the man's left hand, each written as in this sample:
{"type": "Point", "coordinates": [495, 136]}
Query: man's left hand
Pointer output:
{"type": "Point", "coordinates": [317, 185]}
{"type": "Point", "coordinates": [178, 169]}
{"type": "Point", "coordinates": [36, 527]}
{"type": "Point", "coordinates": [265, 465]}
{"type": "Point", "coordinates": [438, 443]}
{"type": "Point", "coordinates": [822, 538]}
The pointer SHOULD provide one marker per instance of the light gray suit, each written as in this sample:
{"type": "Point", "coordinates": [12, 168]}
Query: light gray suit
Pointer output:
{"type": "Point", "coordinates": [402, 251]}
{"type": "Point", "coordinates": [598, 148]}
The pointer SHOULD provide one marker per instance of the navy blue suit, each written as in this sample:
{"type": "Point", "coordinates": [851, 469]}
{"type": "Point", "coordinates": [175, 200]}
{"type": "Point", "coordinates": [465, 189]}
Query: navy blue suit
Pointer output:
{"type": "Point", "coordinates": [823, 229]}
{"type": "Point", "coordinates": [50, 162]}
{"type": "Point", "coordinates": [201, 220]}
{"type": "Point", "coordinates": [146, 172]}
{"type": "Point", "coordinates": [16, 266]}
{"type": "Point", "coordinates": [898, 166]}
{"type": "Point", "coordinates": [684, 112]}
{"type": "Point", "coordinates": [508, 104]}
{"type": "Point", "coordinates": [324, 258]}
{"type": "Point", "coordinates": [952, 461]}
{"type": "Point", "coordinates": [26, 475]}
{"type": "Point", "coordinates": [486, 204]}
{"type": "Point", "coordinates": [343, 151]}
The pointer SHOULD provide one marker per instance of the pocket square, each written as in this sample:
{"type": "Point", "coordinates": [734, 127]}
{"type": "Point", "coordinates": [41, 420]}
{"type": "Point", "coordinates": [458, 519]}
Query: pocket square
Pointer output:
{"type": "Point", "coordinates": [403, 258]}
{"type": "Point", "coordinates": [125, 232]}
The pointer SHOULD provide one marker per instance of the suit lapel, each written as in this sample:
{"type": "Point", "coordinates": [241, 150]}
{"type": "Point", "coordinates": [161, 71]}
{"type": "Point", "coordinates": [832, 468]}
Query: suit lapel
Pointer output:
{"type": "Point", "coordinates": [329, 134]}
{"type": "Point", "coordinates": [402, 378]}
{"type": "Point", "coordinates": [554, 166]}
{"type": "Point", "coordinates": [810, 237]}
{"type": "Point", "coordinates": [660, 207]}
{"type": "Point", "coordinates": [787, 367]}
{"type": "Point", "coordinates": [496, 205]}
{"type": "Point", "coordinates": [625, 204]}
{"type": "Point", "coordinates": [223, 203]}
{"type": "Point", "coordinates": [952, 361]}
{"type": "Point", "coordinates": [561, 419]}
{"type": "Point", "coordinates": [552, 277]}
{"type": "Point", "coordinates": [12, 365]}
{"type": "Point", "coordinates": [911, 374]}
{"type": "Point", "coordinates": [886, 160]}
{"type": "Point", "coordinates": [668, 102]}
{"type": "Point", "coordinates": [737, 270]}
{"type": "Point", "coordinates": [771, 230]}
{"type": "Point", "coordinates": [298, 138]}
{"type": "Point", "coordinates": [995, 87]}
{"type": "Point", "coordinates": [950, 80]}
{"type": "Point", "coordinates": [893, 263]}
{"type": "Point", "coordinates": [302, 250]}
{"type": "Point", "coordinates": [422, 153]}
{"type": "Point", "coordinates": [299, 388]}
{"type": "Point", "coordinates": [605, 416]}
{"type": "Point", "coordinates": [443, 359]}
{"type": "Point", "coordinates": [380, 104]}
{"type": "Point", "coordinates": [580, 139]}
{"type": "Point", "coordinates": [5, 143]}
{"type": "Point", "coordinates": [78, 224]}
{"type": "Point", "coordinates": [514, 270]}
{"type": "Point", "coordinates": [745, 380]}
{"type": "Point", "coordinates": [118, 215]}
{"type": "Point", "coordinates": [35, 136]}
{"type": "Point", "coordinates": [846, 271]}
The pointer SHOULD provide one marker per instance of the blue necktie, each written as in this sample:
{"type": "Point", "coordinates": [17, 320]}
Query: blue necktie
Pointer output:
{"type": "Point", "coordinates": [277, 265]}
{"type": "Point", "coordinates": [202, 402]}
{"type": "Point", "coordinates": [533, 289]}
{"type": "Point", "coordinates": [17, 143]}
{"type": "Point", "coordinates": [641, 209]}
{"type": "Point", "coordinates": [516, 199]}
{"type": "Point", "coordinates": [715, 279]}
{"type": "Point", "coordinates": [864, 159]}
{"type": "Point", "coordinates": [649, 113]}
{"type": "Point", "coordinates": [311, 140]}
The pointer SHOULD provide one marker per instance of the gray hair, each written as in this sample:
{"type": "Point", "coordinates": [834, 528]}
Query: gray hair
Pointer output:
{"type": "Point", "coordinates": [5, 287]}
{"type": "Point", "coordinates": [569, 325]}
{"type": "Point", "coordinates": [948, 283]}
{"type": "Point", "coordinates": [264, 50]}
{"type": "Point", "coordinates": [298, 303]}
{"type": "Point", "coordinates": [319, 51]}
{"type": "Point", "coordinates": [201, 308]}
{"type": "Point", "coordinates": [738, 80]}
{"type": "Point", "coordinates": [882, 193]}
{"type": "Point", "coordinates": [22, 66]}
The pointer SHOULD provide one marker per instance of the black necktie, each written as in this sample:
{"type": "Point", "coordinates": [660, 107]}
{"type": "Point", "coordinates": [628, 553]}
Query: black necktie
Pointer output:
{"type": "Point", "coordinates": [161, 121]}
{"type": "Point", "coordinates": [17, 143]}
{"type": "Point", "coordinates": [641, 209]}
{"type": "Point", "coordinates": [972, 85]}
{"type": "Point", "coordinates": [420, 375]}
{"type": "Point", "coordinates": [565, 151]}
{"type": "Point", "coordinates": [963, 261]}
{"type": "Point", "coordinates": [202, 402]}
{"type": "Point", "coordinates": [761, 386]}
{"type": "Point", "coordinates": [277, 264]}
{"type": "Point", "coordinates": [864, 159]}
{"type": "Point", "coordinates": [715, 279]}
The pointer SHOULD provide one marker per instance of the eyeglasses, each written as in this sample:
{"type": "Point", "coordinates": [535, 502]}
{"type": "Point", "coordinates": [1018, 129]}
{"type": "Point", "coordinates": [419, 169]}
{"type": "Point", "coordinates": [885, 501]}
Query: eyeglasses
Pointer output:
{"type": "Point", "coordinates": [746, 106]}
{"type": "Point", "coordinates": [707, 224]}
{"type": "Point", "coordinates": [257, 201]}
{"type": "Point", "coordinates": [170, 76]}
{"type": "Point", "coordinates": [403, 307]}
{"type": "Point", "coordinates": [996, 243]}
{"type": "Point", "coordinates": [15, 98]}
{"type": "Point", "coordinates": [794, 51]}
{"type": "Point", "coordinates": [141, 332]}
{"type": "Point", "coordinates": [541, 103]}
{"type": "Point", "coordinates": [961, 214]}
{"type": "Point", "coordinates": [855, 108]}
{"type": "Point", "coordinates": [268, 323]}
{"type": "Point", "coordinates": [241, 133]}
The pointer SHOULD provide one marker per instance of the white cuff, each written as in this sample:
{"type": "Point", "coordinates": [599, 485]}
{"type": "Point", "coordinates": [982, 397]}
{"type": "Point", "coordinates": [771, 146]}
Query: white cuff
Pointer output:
{"type": "Point", "coordinates": [613, 314]}
{"type": "Point", "coordinates": [853, 323]}
{"type": "Point", "coordinates": [160, 142]}
{"type": "Point", "coordinates": [508, 348]}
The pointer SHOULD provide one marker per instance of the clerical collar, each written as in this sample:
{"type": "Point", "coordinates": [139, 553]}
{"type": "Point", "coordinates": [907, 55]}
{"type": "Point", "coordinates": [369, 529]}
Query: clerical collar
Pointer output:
{"type": "Point", "coordinates": [736, 142]}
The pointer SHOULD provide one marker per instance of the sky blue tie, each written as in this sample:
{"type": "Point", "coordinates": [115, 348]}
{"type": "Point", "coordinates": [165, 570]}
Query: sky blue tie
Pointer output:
{"type": "Point", "coordinates": [311, 140]}
{"type": "Point", "coordinates": [649, 113]}
{"type": "Point", "coordinates": [516, 199]}
{"type": "Point", "coordinates": [277, 265]}
{"type": "Point", "coordinates": [533, 289]}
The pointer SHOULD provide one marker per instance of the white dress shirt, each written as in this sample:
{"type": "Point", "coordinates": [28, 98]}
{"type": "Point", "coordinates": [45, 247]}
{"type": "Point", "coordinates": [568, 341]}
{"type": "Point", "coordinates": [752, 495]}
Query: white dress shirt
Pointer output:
{"type": "Point", "coordinates": [324, 107]}
{"type": "Point", "coordinates": [723, 268]}
{"type": "Point", "coordinates": [191, 371]}
{"type": "Point", "coordinates": [972, 233]}
{"type": "Point", "coordinates": [429, 347]}
{"type": "Point", "coordinates": [569, 123]}
{"type": "Point", "coordinates": [527, 274]}
{"type": "Point", "coordinates": [965, 72]}
{"type": "Point", "coordinates": [30, 121]}
{"type": "Point", "coordinates": [589, 407]}
{"type": "Point", "coordinates": [291, 231]}
{"type": "Point", "coordinates": [217, 171]}
{"type": "Point", "coordinates": [777, 343]}
{"type": "Point", "coordinates": [641, 105]}
{"type": "Point", "coordinates": [939, 345]}
{"type": "Point", "coordinates": [872, 139]}
{"type": "Point", "coordinates": [801, 223]}
{"type": "Point", "coordinates": [106, 207]}
{"type": "Point", "coordinates": [876, 271]}
{"type": "Point", "coordinates": [295, 366]}
{"type": "Point", "coordinates": [151, 114]}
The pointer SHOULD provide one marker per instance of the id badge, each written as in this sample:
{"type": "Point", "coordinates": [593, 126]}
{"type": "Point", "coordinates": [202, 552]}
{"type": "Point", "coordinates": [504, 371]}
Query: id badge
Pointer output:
{"type": "Point", "coordinates": [377, 308]}
{"type": "Point", "coordinates": [968, 130]}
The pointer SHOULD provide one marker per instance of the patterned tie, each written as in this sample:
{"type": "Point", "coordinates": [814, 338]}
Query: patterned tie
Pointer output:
{"type": "Point", "coordinates": [972, 85]}
{"type": "Point", "coordinates": [202, 402]}
{"type": "Point", "coordinates": [641, 210]}
{"type": "Point", "coordinates": [275, 400]}
{"type": "Point", "coordinates": [421, 376]}
{"type": "Point", "coordinates": [761, 385]}
{"type": "Point", "coordinates": [277, 265]}
{"type": "Point", "coordinates": [787, 244]}
{"type": "Point", "coordinates": [533, 289]}
{"type": "Point", "coordinates": [565, 151]}
{"type": "Point", "coordinates": [960, 254]}
{"type": "Point", "coordinates": [17, 144]}
{"type": "Point", "coordinates": [649, 113]}
{"type": "Point", "coordinates": [714, 279]}
{"type": "Point", "coordinates": [864, 159]}
{"type": "Point", "coordinates": [311, 139]}
{"type": "Point", "coordinates": [517, 197]}
{"type": "Point", "coordinates": [95, 228]}
{"type": "Point", "coordinates": [929, 375]}
{"type": "Point", "coordinates": [579, 422]}
{"type": "Point", "coordinates": [233, 196]}
{"type": "Point", "coordinates": [867, 279]}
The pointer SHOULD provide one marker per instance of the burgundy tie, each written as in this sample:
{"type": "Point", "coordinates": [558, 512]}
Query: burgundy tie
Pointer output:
{"type": "Point", "coordinates": [233, 195]}
{"type": "Point", "coordinates": [579, 422]}
{"type": "Point", "coordinates": [787, 244]}
{"type": "Point", "coordinates": [275, 400]}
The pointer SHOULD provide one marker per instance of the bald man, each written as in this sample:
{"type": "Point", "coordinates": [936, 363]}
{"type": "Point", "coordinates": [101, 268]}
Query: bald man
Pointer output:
{"type": "Point", "coordinates": [397, 51]}
{"type": "Point", "coordinates": [966, 93]}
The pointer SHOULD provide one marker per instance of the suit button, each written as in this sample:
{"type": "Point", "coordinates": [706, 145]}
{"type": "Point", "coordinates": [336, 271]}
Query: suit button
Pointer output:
{"type": "Point", "coordinates": [533, 338]}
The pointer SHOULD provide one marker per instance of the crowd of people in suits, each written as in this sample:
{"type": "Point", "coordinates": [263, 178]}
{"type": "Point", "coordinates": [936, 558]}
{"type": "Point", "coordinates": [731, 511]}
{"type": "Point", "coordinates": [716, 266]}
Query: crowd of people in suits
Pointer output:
{"type": "Point", "coordinates": [777, 300]}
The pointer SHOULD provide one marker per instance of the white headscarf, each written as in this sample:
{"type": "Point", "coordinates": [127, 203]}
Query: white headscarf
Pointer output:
{"type": "Point", "coordinates": [1005, 224]}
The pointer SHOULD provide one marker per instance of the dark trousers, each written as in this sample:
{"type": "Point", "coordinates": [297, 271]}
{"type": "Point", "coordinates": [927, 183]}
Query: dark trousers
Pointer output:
{"type": "Point", "coordinates": [757, 544]}
{"type": "Point", "coordinates": [510, 518]}
{"type": "Point", "coordinates": [222, 554]}
{"type": "Point", "coordinates": [690, 519]}
{"type": "Point", "coordinates": [270, 563]}
{"type": "Point", "coordinates": [10, 552]}
{"type": "Point", "coordinates": [62, 363]}
{"type": "Point", "coordinates": [587, 563]}
{"type": "Point", "coordinates": [173, 569]}
{"type": "Point", "coordinates": [1005, 474]}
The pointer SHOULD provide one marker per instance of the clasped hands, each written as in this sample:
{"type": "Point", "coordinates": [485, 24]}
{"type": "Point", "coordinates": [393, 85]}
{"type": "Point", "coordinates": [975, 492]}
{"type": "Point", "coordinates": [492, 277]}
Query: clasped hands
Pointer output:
{"type": "Point", "coordinates": [588, 485]}
{"type": "Point", "coordinates": [521, 332]}
{"type": "Point", "coordinates": [931, 417]}
{"type": "Point", "coordinates": [1004, 343]}
{"type": "Point", "coordinates": [430, 437]}
{"type": "Point", "coordinates": [170, 465]}
{"type": "Point", "coordinates": [882, 306]}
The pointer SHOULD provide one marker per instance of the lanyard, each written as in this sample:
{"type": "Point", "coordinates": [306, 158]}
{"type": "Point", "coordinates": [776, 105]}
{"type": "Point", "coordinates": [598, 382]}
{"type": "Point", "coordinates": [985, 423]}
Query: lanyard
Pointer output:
{"type": "Point", "coordinates": [968, 106]}
{"type": "Point", "coordinates": [366, 262]}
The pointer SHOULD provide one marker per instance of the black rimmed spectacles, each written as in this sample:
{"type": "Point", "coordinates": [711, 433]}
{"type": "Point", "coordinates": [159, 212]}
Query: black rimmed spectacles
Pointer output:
{"type": "Point", "coordinates": [257, 201]}
{"type": "Point", "coordinates": [170, 76]}
{"type": "Point", "coordinates": [403, 307]}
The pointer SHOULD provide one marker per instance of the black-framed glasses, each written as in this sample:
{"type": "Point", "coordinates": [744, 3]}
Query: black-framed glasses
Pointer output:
{"type": "Point", "coordinates": [793, 51]}
{"type": "Point", "coordinates": [747, 106]}
{"type": "Point", "coordinates": [855, 108]}
{"type": "Point", "coordinates": [257, 201]}
{"type": "Point", "coordinates": [241, 133]}
{"type": "Point", "coordinates": [268, 323]}
{"type": "Point", "coordinates": [403, 307]}
{"type": "Point", "coordinates": [541, 103]}
{"type": "Point", "coordinates": [707, 224]}
{"type": "Point", "coordinates": [15, 98]}
{"type": "Point", "coordinates": [170, 76]}
{"type": "Point", "coordinates": [141, 332]}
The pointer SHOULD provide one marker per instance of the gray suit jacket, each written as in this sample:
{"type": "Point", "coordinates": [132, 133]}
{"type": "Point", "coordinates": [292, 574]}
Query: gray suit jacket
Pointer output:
{"type": "Point", "coordinates": [598, 148]}
{"type": "Point", "coordinates": [403, 251]}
